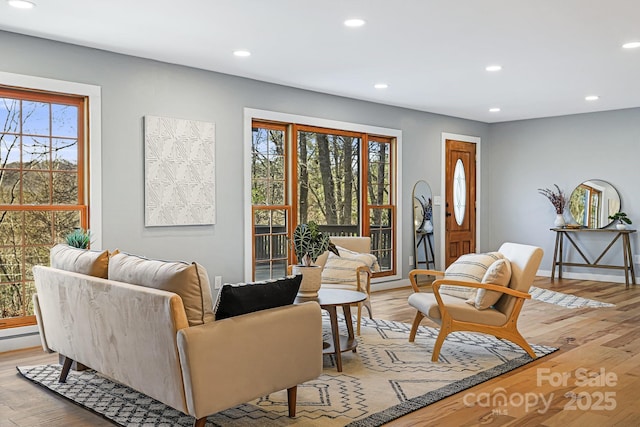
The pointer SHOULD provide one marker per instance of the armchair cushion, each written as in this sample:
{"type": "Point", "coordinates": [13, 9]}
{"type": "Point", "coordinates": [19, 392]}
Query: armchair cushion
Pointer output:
{"type": "Point", "coordinates": [83, 261]}
{"type": "Point", "coordinates": [235, 300]}
{"type": "Point", "coordinates": [342, 269]}
{"type": "Point", "coordinates": [499, 273]}
{"type": "Point", "coordinates": [468, 268]}
{"type": "Point", "coordinates": [457, 308]}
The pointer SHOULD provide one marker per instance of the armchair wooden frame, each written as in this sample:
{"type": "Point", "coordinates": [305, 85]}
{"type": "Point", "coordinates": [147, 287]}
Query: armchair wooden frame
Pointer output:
{"type": "Point", "coordinates": [509, 330]}
{"type": "Point", "coordinates": [366, 289]}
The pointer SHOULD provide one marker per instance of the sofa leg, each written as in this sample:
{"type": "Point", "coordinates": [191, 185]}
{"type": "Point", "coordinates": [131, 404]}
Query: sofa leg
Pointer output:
{"type": "Point", "coordinates": [65, 369]}
{"type": "Point", "coordinates": [291, 397]}
{"type": "Point", "coordinates": [200, 422]}
{"type": "Point", "coordinates": [75, 366]}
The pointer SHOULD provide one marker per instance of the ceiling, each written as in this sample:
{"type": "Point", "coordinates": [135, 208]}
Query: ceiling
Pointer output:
{"type": "Point", "coordinates": [431, 53]}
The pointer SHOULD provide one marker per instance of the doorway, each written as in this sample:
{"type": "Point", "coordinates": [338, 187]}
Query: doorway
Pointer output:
{"type": "Point", "coordinates": [460, 201]}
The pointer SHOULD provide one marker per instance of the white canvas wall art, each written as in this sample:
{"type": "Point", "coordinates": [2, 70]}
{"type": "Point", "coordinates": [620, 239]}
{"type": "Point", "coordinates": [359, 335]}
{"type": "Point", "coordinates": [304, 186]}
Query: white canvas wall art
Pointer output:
{"type": "Point", "coordinates": [179, 171]}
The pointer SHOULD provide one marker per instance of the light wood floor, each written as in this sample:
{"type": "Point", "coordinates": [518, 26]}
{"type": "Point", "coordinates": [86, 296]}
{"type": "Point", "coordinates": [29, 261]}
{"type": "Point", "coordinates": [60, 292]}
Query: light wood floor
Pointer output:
{"type": "Point", "coordinates": [599, 340]}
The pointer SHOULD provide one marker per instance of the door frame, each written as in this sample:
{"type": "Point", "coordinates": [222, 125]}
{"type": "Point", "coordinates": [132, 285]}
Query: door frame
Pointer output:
{"type": "Point", "coordinates": [443, 182]}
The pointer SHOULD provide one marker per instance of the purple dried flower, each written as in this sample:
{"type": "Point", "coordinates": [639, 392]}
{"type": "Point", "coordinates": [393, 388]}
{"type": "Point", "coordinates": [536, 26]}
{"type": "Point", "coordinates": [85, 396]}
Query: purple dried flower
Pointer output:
{"type": "Point", "coordinates": [557, 198]}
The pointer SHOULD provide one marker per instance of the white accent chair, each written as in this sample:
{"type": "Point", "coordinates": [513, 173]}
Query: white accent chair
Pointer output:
{"type": "Point", "coordinates": [360, 280]}
{"type": "Point", "coordinates": [454, 314]}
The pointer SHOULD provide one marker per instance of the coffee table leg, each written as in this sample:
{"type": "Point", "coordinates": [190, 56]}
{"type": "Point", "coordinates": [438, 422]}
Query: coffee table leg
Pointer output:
{"type": "Point", "coordinates": [346, 309]}
{"type": "Point", "coordinates": [333, 317]}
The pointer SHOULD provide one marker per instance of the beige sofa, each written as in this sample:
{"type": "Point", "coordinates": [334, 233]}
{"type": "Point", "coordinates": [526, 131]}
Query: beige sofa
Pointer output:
{"type": "Point", "coordinates": [146, 339]}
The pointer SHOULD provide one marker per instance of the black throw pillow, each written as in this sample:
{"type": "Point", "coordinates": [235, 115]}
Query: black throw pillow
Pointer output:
{"type": "Point", "coordinates": [235, 300]}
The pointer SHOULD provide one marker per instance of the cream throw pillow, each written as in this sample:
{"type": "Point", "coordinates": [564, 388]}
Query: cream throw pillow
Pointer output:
{"type": "Point", "coordinates": [499, 273]}
{"type": "Point", "coordinates": [189, 281]}
{"type": "Point", "coordinates": [468, 268]}
{"type": "Point", "coordinates": [83, 261]}
{"type": "Point", "coordinates": [342, 269]}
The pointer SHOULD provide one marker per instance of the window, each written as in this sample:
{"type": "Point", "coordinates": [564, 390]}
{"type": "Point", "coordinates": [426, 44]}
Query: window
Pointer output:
{"type": "Point", "coordinates": [270, 213]}
{"type": "Point", "coordinates": [43, 193]}
{"type": "Point", "coordinates": [328, 179]}
{"type": "Point", "coordinates": [380, 222]}
{"type": "Point", "coordinates": [302, 173]}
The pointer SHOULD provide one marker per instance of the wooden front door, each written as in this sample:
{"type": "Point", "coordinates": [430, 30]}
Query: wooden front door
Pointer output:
{"type": "Point", "coordinates": [460, 200]}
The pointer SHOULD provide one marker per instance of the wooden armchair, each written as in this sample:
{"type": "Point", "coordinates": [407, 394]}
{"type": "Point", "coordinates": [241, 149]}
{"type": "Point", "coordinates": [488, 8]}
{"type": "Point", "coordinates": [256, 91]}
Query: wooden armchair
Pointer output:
{"type": "Point", "coordinates": [454, 314]}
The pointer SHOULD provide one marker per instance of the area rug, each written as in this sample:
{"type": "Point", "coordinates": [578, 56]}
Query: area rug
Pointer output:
{"type": "Point", "coordinates": [565, 300]}
{"type": "Point", "coordinates": [386, 378]}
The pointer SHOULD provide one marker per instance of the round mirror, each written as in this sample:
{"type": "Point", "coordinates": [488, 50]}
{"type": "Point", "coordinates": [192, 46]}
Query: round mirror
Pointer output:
{"type": "Point", "coordinates": [592, 202]}
{"type": "Point", "coordinates": [423, 225]}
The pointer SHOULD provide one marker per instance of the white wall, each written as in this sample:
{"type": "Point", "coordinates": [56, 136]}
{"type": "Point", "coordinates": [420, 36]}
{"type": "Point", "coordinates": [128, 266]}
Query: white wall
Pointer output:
{"type": "Point", "coordinates": [523, 156]}
{"type": "Point", "coordinates": [517, 157]}
{"type": "Point", "coordinates": [134, 87]}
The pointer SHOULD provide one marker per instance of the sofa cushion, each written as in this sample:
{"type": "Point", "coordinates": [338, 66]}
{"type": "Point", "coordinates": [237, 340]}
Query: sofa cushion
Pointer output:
{"type": "Point", "coordinates": [468, 268]}
{"type": "Point", "coordinates": [189, 281]}
{"type": "Point", "coordinates": [243, 298]}
{"type": "Point", "coordinates": [342, 269]}
{"type": "Point", "coordinates": [83, 261]}
{"type": "Point", "coordinates": [499, 273]}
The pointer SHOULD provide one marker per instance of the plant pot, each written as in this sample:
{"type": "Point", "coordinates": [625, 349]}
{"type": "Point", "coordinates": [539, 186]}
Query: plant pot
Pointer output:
{"type": "Point", "coordinates": [311, 280]}
{"type": "Point", "coordinates": [621, 226]}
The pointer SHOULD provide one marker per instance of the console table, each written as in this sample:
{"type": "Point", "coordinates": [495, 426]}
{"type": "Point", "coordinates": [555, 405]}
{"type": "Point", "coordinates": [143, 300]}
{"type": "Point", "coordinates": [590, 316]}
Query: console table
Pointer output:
{"type": "Point", "coordinates": [629, 274]}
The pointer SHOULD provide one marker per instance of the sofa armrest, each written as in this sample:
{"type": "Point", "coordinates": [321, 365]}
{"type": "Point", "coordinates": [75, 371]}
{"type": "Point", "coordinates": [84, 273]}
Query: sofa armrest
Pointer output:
{"type": "Point", "coordinates": [235, 360]}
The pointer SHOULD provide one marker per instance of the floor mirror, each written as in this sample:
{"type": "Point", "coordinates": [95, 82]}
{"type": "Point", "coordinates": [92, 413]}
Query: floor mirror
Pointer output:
{"type": "Point", "coordinates": [423, 239]}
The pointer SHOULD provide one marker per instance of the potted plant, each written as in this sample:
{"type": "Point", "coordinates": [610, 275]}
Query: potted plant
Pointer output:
{"type": "Point", "coordinates": [622, 220]}
{"type": "Point", "coordinates": [308, 244]}
{"type": "Point", "coordinates": [559, 201]}
{"type": "Point", "coordinates": [78, 238]}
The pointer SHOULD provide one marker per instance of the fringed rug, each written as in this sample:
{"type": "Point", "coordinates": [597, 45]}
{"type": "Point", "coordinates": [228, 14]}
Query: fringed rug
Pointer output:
{"type": "Point", "coordinates": [565, 300]}
{"type": "Point", "coordinates": [386, 378]}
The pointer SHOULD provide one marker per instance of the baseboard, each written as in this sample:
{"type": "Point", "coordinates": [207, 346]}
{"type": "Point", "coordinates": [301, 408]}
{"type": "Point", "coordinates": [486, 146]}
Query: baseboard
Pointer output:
{"type": "Point", "coordinates": [19, 338]}
{"type": "Point", "coordinates": [392, 284]}
{"type": "Point", "coordinates": [404, 283]}
{"type": "Point", "coordinates": [586, 276]}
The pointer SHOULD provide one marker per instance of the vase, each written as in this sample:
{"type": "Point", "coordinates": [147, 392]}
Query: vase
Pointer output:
{"type": "Point", "coordinates": [621, 226]}
{"type": "Point", "coordinates": [311, 280]}
{"type": "Point", "coordinates": [559, 222]}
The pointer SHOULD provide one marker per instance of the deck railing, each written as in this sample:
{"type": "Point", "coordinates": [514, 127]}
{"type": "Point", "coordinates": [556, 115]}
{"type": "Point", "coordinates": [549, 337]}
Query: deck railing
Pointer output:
{"type": "Point", "coordinates": [274, 245]}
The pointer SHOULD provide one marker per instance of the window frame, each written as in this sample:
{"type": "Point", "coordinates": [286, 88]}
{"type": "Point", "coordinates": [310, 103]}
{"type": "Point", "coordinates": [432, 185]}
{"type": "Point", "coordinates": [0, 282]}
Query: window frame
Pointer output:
{"type": "Point", "coordinates": [295, 128]}
{"type": "Point", "coordinates": [305, 122]}
{"type": "Point", "coordinates": [81, 205]}
{"type": "Point", "coordinates": [393, 192]}
{"type": "Point", "coordinates": [91, 161]}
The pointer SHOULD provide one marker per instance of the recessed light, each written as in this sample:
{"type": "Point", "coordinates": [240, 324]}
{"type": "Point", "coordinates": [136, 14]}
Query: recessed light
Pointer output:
{"type": "Point", "coordinates": [354, 22]}
{"type": "Point", "coordinates": [21, 4]}
{"type": "Point", "coordinates": [631, 45]}
{"type": "Point", "coordinates": [494, 68]}
{"type": "Point", "coordinates": [381, 85]}
{"type": "Point", "coordinates": [591, 97]}
{"type": "Point", "coordinates": [242, 53]}
{"type": "Point", "coordinates": [494, 110]}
